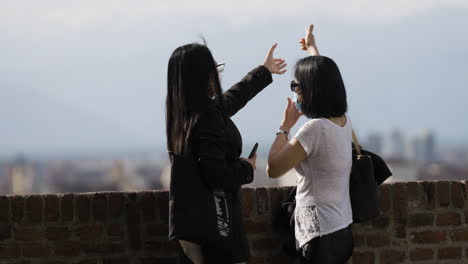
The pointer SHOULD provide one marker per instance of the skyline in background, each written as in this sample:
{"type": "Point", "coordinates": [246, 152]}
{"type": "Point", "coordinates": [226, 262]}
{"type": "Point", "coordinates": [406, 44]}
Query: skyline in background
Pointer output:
{"type": "Point", "coordinates": [90, 77]}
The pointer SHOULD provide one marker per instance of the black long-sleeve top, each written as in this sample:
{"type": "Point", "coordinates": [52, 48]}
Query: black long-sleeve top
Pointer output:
{"type": "Point", "coordinates": [217, 144]}
{"type": "Point", "coordinates": [216, 141]}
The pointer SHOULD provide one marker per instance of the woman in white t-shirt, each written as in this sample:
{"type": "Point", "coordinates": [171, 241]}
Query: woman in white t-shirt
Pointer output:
{"type": "Point", "coordinates": [321, 155]}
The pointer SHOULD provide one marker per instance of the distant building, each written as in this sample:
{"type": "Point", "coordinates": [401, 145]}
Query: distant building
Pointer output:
{"type": "Point", "coordinates": [21, 176]}
{"type": "Point", "coordinates": [397, 147]}
{"type": "Point", "coordinates": [375, 143]}
{"type": "Point", "coordinates": [423, 147]}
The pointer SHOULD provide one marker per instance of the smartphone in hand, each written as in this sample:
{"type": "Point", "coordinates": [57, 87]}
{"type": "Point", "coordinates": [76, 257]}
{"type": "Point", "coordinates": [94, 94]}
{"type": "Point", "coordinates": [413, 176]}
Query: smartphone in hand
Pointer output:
{"type": "Point", "coordinates": [254, 150]}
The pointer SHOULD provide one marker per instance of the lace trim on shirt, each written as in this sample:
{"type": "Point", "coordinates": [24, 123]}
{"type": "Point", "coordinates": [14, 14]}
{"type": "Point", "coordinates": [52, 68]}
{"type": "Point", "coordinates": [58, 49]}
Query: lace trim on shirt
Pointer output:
{"type": "Point", "coordinates": [307, 224]}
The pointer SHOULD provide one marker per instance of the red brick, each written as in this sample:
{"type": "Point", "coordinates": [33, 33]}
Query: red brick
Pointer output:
{"type": "Point", "coordinates": [443, 189]}
{"type": "Point", "coordinates": [100, 206]}
{"type": "Point", "coordinates": [35, 250]}
{"type": "Point", "coordinates": [259, 260]}
{"type": "Point", "coordinates": [52, 208]}
{"type": "Point", "coordinates": [82, 207]}
{"type": "Point", "coordinates": [27, 234]}
{"type": "Point", "coordinates": [67, 249]}
{"type": "Point", "coordinates": [9, 251]}
{"type": "Point", "coordinates": [103, 248]}
{"type": "Point", "coordinates": [429, 189]}
{"type": "Point", "coordinates": [446, 219]}
{"type": "Point", "coordinates": [248, 201]}
{"type": "Point", "coordinates": [148, 205]}
{"type": "Point", "coordinates": [385, 197]}
{"type": "Point", "coordinates": [162, 202]}
{"type": "Point", "coordinates": [116, 204]}
{"type": "Point", "coordinates": [17, 208]}
{"type": "Point", "coordinates": [458, 194]}
{"type": "Point", "coordinates": [414, 193]}
{"type": "Point", "coordinates": [262, 200]}
{"type": "Point", "coordinates": [428, 237]}
{"type": "Point", "coordinates": [400, 208]}
{"type": "Point", "coordinates": [378, 240]}
{"type": "Point", "coordinates": [449, 253]}
{"type": "Point", "coordinates": [67, 206]}
{"type": "Point", "coordinates": [363, 258]}
{"type": "Point", "coordinates": [133, 209]}
{"type": "Point", "coordinates": [392, 256]}
{"type": "Point", "coordinates": [162, 247]}
{"type": "Point", "coordinates": [115, 230]}
{"type": "Point", "coordinates": [419, 254]}
{"type": "Point", "coordinates": [4, 209]}
{"type": "Point", "coordinates": [265, 245]}
{"type": "Point", "coordinates": [5, 231]}
{"type": "Point", "coordinates": [153, 260]}
{"type": "Point", "coordinates": [359, 240]}
{"type": "Point", "coordinates": [276, 199]}
{"type": "Point", "coordinates": [88, 261]}
{"type": "Point", "coordinates": [381, 222]}
{"type": "Point", "coordinates": [91, 232]}
{"type": "Point", "coordinates": [400, 230]}
{"type": "Point", "coordinates": [459, 235]}
{"type": "Point", "coordinates": [134, 227]}
{"type": "Point", "coordinates": [400, 202]}
{"type": "Point", "coordinates": [134, 236]}
{"type": "Point", "coordinates": [281, 259]}
{"type": "Point", "coordinates": [255, 227]}
{"type": "Point", "coordinates": [157, 230]}
{"type": "Point", "coordinates": [34, 208]}
{"type": "Point", "coordinates": [421, 219]}
{"type": "Point", "coordinates": [116, 261]}
{"type": "Point", "coordinates": [58, 233]}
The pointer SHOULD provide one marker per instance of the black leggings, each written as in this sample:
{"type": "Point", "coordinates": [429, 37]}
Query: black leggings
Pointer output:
{"type": "Point", "coordinates": [334, 248]}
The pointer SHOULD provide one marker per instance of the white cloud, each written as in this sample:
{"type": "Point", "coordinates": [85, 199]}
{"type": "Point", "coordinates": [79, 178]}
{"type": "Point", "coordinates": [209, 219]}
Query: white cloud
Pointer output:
{"type": "Point", "coordinates": [94, 12]}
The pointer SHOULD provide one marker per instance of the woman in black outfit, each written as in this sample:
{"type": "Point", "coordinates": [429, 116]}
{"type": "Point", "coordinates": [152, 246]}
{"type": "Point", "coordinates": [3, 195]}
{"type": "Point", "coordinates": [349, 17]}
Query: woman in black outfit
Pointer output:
{"type": "Point", "coordinates": [197, 110]}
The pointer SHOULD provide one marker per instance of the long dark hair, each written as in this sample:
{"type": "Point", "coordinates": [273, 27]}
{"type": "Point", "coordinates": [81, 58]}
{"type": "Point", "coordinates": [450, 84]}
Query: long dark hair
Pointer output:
{"type": "Point", "coordinates": [322, 88]}
{"type": "Point", "coordinates": [192, 78]}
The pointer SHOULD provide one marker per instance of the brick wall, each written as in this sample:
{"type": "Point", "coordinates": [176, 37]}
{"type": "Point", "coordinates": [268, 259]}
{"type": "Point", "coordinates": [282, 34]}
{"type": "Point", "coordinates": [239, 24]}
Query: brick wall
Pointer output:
{"type": "Point", "coordinates": [423, 222]}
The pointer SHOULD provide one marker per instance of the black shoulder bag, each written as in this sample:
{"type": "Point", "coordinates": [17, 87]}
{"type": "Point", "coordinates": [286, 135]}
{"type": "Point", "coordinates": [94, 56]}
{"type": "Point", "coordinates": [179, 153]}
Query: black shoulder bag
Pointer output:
{"type": "Point", "coordinates": [362, 186]}
{"type": "Point", "coordinates": [196, 213]}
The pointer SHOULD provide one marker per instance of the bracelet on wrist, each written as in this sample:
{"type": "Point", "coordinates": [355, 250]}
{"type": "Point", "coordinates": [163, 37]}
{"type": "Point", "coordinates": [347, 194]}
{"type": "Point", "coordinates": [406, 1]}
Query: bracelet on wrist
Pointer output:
{"type": "Point", "coordinates": [282, 132]}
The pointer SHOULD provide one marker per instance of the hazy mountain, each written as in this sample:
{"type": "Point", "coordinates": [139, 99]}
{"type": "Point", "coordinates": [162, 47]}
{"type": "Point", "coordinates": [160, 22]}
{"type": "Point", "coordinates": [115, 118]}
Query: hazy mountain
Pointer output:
{"type": "Point", "coordinates": [34, 122]}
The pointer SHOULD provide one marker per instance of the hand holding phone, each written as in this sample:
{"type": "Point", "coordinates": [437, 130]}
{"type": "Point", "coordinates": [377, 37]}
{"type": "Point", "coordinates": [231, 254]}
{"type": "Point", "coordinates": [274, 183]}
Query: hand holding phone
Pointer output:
{"type": "Point", "coordinates": [254, 151]}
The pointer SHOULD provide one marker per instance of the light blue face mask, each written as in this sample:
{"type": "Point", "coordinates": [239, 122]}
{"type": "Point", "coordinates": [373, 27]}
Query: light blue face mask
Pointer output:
{"type": "Point", "coordinates": [297, 103]}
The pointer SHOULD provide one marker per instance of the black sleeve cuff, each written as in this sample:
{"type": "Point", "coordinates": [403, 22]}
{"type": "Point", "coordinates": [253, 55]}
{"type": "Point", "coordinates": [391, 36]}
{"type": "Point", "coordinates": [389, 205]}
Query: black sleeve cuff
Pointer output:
{"type": "Point", "coordinates": [261, 72]}
{"type": "Point", "coordinates": [247, 173]}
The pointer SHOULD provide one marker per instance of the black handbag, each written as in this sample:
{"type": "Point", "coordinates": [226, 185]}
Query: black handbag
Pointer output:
{"type": "Point", "coordinates": [363, 186]}
{"type": "Point", "coordinates": [196, 213]}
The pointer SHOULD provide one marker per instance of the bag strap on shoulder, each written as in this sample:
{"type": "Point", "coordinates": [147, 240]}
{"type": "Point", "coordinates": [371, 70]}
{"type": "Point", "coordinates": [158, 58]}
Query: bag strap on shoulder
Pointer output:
{"type": "Point", "coordinates": [356, 144]}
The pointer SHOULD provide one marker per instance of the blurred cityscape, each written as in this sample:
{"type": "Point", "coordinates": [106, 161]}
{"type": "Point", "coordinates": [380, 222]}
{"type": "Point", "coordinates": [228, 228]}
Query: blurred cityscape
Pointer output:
{"type": "Point", "coordinates": [411, 158]}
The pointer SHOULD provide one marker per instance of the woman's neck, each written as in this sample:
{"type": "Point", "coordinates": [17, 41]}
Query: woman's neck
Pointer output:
{"type": "Point", "coordinates": [339, 121]}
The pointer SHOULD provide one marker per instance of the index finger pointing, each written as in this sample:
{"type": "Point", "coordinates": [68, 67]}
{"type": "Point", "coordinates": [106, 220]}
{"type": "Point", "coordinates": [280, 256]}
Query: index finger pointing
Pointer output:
{"type": "Point", "coordinates": [272, 49]}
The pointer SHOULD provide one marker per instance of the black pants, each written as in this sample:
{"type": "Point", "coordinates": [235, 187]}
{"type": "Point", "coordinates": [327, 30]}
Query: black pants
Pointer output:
{"type": "Point", "coordinates": [334, 248]}
{"type": "Point", "coordinates": [211, 255]}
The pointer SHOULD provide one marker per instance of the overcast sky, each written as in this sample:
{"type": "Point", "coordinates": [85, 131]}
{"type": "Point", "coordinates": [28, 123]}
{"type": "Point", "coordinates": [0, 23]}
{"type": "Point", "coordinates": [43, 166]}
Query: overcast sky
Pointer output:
{"type": "Point", "coordinates": [90, 75]}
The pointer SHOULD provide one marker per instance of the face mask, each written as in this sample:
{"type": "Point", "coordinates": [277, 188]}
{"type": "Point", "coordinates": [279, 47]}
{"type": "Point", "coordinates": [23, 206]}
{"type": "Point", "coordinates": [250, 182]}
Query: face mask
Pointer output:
{"type": "Point", "coordinates": [297, 103]}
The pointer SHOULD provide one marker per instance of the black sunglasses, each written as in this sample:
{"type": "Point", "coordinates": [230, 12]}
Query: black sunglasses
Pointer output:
{"type": "Point", "coordinates": [294, 85]}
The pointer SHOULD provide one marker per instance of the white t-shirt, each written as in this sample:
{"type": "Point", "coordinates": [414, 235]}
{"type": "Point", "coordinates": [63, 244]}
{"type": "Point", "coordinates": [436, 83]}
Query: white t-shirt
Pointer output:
{"type": "Point", "coordinates": [323, 205]}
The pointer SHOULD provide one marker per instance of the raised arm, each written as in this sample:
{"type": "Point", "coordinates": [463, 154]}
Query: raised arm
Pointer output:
{"type": "Point", "coordinates": [255, 81]}
{"type": "Point", "coordinates": [308, 42]}
{"type": "Point", "coordinates": [285, 155]}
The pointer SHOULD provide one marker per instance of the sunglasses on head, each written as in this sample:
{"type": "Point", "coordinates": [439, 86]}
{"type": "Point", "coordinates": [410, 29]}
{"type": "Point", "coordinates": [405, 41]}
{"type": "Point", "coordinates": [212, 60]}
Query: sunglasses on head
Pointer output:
{"type": "Point", "coordinates": [294, 85]}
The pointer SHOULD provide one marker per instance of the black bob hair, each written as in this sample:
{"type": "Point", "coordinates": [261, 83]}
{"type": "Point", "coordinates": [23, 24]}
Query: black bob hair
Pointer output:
{"type": "Point", "coordinates": [322, 88]}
